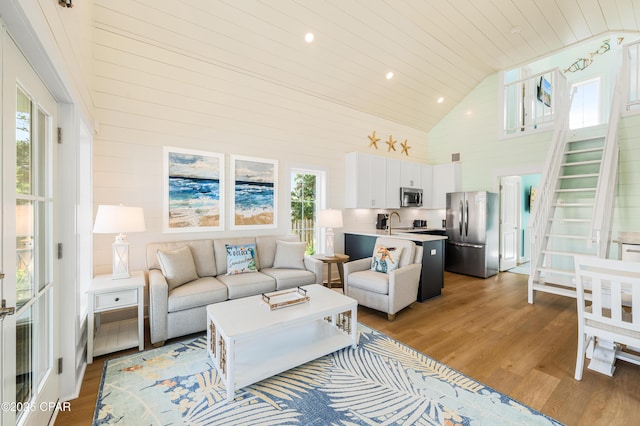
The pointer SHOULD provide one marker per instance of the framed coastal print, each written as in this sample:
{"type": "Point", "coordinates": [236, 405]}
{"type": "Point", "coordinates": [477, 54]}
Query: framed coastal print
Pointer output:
{"type": "Point", "coordinates": [254, 192]}
{"type": "Point", "coordinates": [193, 190]}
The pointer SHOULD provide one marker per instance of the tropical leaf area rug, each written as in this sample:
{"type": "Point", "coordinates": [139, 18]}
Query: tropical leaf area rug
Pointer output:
{"type": "Point", "coordinates": [381, 382]}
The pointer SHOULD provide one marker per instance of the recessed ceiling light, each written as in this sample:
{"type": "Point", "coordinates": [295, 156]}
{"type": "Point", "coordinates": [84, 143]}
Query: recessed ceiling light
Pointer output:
{"type": "Point", "coordinates": [440, 100]}
{"type": "Point", "coordinates": [308, 37]}
{"type": "Point", "coordinates": [389, 75]}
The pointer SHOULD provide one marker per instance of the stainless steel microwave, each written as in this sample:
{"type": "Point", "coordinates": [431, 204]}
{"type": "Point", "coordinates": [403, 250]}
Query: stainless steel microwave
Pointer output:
{"type": "Point", "coordinates": [410, 197]}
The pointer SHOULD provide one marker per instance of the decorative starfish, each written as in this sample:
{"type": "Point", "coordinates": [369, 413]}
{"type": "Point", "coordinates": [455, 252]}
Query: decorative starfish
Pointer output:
{"type": "Point", "coordinates": [374, 140]}
{"type": "Point", "coordinates": [405, 147]}
{"type": "Point", "coordinates": [391, 144]}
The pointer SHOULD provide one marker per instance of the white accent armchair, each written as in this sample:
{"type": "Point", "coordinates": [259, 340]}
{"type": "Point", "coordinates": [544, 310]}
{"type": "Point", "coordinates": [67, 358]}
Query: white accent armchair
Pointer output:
{"type": "Point", "coordinates": [386, 292]}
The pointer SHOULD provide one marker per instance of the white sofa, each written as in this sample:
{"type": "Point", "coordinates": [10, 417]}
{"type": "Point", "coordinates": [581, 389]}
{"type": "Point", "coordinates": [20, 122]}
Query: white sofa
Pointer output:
{"type": "Point", "coordinates": [177, 308]}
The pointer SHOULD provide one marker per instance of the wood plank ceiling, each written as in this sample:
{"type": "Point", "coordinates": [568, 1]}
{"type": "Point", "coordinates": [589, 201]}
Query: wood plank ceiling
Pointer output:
{"type": "Point", "coordinates": [434, 47]}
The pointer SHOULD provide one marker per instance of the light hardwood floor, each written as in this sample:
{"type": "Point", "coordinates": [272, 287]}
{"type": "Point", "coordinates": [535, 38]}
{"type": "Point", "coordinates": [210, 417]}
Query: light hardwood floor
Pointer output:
{"type": "Point", "coordinates": [487, 330]}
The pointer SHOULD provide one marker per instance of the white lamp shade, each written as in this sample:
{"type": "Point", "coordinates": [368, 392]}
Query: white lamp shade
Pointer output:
{"type": "Point", "coordinates": [330, 218]}
{"type": "Point", "coordinates": [118, 219]}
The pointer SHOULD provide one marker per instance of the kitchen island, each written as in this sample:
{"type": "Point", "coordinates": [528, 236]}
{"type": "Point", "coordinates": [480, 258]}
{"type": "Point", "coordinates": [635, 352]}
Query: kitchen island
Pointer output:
{"type": "Point", "coordinates": [360, 244]}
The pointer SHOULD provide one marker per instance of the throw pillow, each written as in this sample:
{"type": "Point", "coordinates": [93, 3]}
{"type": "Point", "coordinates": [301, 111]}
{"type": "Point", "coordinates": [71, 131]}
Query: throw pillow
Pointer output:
{"type": "Point", "coordinates": [177, 266]}
{"type": "Point", "coordinates": [241, 259]}
{"type": "Point", "coordinates": [385, 259]}
{"type": "Point", "coordinates": [289, 255]}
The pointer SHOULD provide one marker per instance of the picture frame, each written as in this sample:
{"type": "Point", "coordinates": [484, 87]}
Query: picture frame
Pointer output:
{"type": "Point", "coordinates": [253, 193]}
{"type": "Point", "coordinates": [544, 91]}
{"type": "Point", "coordinates": [194, 190]}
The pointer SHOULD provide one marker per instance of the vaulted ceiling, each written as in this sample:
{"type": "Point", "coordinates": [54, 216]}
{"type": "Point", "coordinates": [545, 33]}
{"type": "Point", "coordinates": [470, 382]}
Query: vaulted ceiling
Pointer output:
{"type": "Point", "coordinates": [435, 48]}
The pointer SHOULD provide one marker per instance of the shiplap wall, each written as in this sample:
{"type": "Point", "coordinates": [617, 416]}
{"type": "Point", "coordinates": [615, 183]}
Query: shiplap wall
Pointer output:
{"type": "Point", "coordinates": [147, 96]}
{"type": "Point", "coordinates": [471, 129]}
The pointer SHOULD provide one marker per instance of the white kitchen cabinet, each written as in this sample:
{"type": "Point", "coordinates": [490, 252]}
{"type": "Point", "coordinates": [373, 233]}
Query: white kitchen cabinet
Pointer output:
{"type": "Point", "coordinates": [426, 174]}
{"type": "Point", "coordinates": [365, 177]}
{"type": "Point", "coordinates": [393, 183]}
{"type": "Point", "coordinates": [446, 178]}
{"type": "Point", "coordinates": [410, 174]}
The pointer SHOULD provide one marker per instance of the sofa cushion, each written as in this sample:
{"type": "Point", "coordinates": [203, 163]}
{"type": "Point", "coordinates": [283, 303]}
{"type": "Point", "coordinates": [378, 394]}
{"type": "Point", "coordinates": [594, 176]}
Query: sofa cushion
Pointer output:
{"type": "Point", "coordinates": [290, 278]}
{"type": "Point", "coordinates": [220, 251]}
{"type": "Point", "coordinates": [241, 259]}
{"type": "Point", "coordinates": [242, 285]}
{"type": "Point", "coordinates": [201, 292]}
{"type": "Point", "coordinates": [370, 280]}
{"type": "Point", "coordinates": [201, 250]}
{"type": "Point", "coordinates": [385, 259]}
{"type": "Point", "coordinates": [177, 266]}
{"type": "Point", "coordinates": [266, 246]}
{"type": "Point", "coordinates": [289, 255]}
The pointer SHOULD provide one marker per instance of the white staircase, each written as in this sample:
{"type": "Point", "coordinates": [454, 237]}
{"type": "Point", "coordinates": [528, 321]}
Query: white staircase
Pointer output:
{"type": "Point", "coordinates": [572, 213]}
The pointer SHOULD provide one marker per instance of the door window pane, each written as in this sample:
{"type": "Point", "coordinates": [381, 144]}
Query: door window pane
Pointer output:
{"type": "Point", "coordinates": [24, 252]}
{"type": "Point", "coordinates": [24, 133]}
{"type": "Point", "coordinates": [24, 367]}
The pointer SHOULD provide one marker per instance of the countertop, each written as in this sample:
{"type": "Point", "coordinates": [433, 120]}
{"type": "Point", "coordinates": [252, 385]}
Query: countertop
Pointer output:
{"type": "Point", "coordinates": [405, 234]}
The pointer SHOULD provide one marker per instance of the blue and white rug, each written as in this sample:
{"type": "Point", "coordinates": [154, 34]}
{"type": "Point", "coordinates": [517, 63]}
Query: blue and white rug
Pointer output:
{"type": "Point", "coordinates": [381, 382]}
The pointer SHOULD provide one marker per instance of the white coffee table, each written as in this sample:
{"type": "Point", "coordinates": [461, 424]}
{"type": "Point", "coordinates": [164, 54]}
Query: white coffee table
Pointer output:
{"type": "Point", "coordinates": [248, 342]}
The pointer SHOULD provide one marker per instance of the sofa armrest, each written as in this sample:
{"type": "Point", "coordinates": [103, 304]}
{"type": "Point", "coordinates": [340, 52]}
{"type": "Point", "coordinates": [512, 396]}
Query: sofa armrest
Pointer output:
{"type": "Point", "coordinates": [314, 265]}
{"type": "Point", "coordinates": [158, 306]}
{"type": "Point", "coordinates": [403, 286]}
{"type": "Point", "coordinates": [354, 266]}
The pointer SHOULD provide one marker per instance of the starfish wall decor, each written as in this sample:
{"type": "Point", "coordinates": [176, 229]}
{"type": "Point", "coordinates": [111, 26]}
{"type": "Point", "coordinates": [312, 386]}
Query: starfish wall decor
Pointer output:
{"type": "Point", "coordinates": [373, 140]}
{"type": "Point", "coordinates": [405, 147]}
{"type": "Point", "coordinates": [391, 143]}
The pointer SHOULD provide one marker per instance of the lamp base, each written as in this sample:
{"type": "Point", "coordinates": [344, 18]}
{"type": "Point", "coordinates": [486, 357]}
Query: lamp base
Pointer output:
{"type": "Point", "coordinates": [329, 251]}
{"type": "Point", "coordinates": [120, 260]}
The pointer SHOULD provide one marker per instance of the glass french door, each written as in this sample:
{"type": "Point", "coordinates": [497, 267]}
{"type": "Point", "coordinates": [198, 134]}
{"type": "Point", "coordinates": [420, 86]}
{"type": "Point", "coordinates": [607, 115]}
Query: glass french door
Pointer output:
{"type": "Point", "coordinates": [28, 329]}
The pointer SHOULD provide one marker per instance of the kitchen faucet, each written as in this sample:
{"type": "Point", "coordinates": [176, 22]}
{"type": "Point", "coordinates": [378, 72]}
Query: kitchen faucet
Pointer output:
{"type": "Point", "coordinates": [389, 221]}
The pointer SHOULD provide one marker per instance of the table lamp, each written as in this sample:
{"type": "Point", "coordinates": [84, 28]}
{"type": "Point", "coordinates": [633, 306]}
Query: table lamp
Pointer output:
{"type": "Point", "coordinates": [118, 220]}
{"type": "Point", "coordinates": [330, 219]}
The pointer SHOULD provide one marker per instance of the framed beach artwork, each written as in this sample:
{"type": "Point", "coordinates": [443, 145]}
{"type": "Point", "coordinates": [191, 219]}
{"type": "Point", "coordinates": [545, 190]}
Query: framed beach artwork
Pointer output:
{"type": "Point", "coordinates": [194, 190]}
{"type": "Point", "coordinates": [254, 193]}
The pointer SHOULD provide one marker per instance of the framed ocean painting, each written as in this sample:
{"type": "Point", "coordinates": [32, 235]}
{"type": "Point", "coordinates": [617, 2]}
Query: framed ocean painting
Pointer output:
{"type": "Point", "coordinates": [255, 192]}
{"type": "Point", "coordinates": [194, 190]}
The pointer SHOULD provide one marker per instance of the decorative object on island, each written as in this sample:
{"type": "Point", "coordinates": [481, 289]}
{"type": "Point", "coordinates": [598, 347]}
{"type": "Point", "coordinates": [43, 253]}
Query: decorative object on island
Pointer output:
{"type": "Point", "coordinates": [255, 192]}
{"type": "Point", "coordinates": [194, 190]}
{"type": "Point", "coordinates": [118, 220]}
{"type": "Point", "coordinates": [330, 219]}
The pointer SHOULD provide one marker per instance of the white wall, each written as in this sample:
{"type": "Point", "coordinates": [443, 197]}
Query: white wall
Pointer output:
{"type": "Point", "coordinates": [147, 96]}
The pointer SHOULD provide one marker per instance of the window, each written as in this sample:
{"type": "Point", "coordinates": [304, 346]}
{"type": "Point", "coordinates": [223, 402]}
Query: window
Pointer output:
{"type": "Point", "coordinates": [585, 107]}
{"type": "Point", "coordinates": [307, 197]}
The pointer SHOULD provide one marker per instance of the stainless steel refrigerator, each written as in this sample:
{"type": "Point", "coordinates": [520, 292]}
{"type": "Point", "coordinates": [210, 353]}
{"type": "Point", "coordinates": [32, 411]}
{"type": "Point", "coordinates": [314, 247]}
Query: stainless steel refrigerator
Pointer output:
{"type": "Point", "coordinates": [472, 231]}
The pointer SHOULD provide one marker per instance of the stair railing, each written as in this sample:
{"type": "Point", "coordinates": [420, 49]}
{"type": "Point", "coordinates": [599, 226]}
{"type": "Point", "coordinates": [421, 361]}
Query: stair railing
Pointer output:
{"type": "Point", "coordinates": [545, 196]}
{"type": "Point", "coordinates": [605, 192]}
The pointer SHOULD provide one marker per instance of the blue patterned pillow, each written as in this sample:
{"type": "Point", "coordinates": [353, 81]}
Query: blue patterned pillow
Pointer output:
{"type": "Point", "coordinates": [241, 259]}
{"type": "Point", "coordinates": [385, 259]}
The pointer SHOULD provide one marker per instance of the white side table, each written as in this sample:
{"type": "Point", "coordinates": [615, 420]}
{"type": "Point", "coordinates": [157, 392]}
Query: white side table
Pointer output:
{"type": "Point", "coordinates": [106, 294]}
